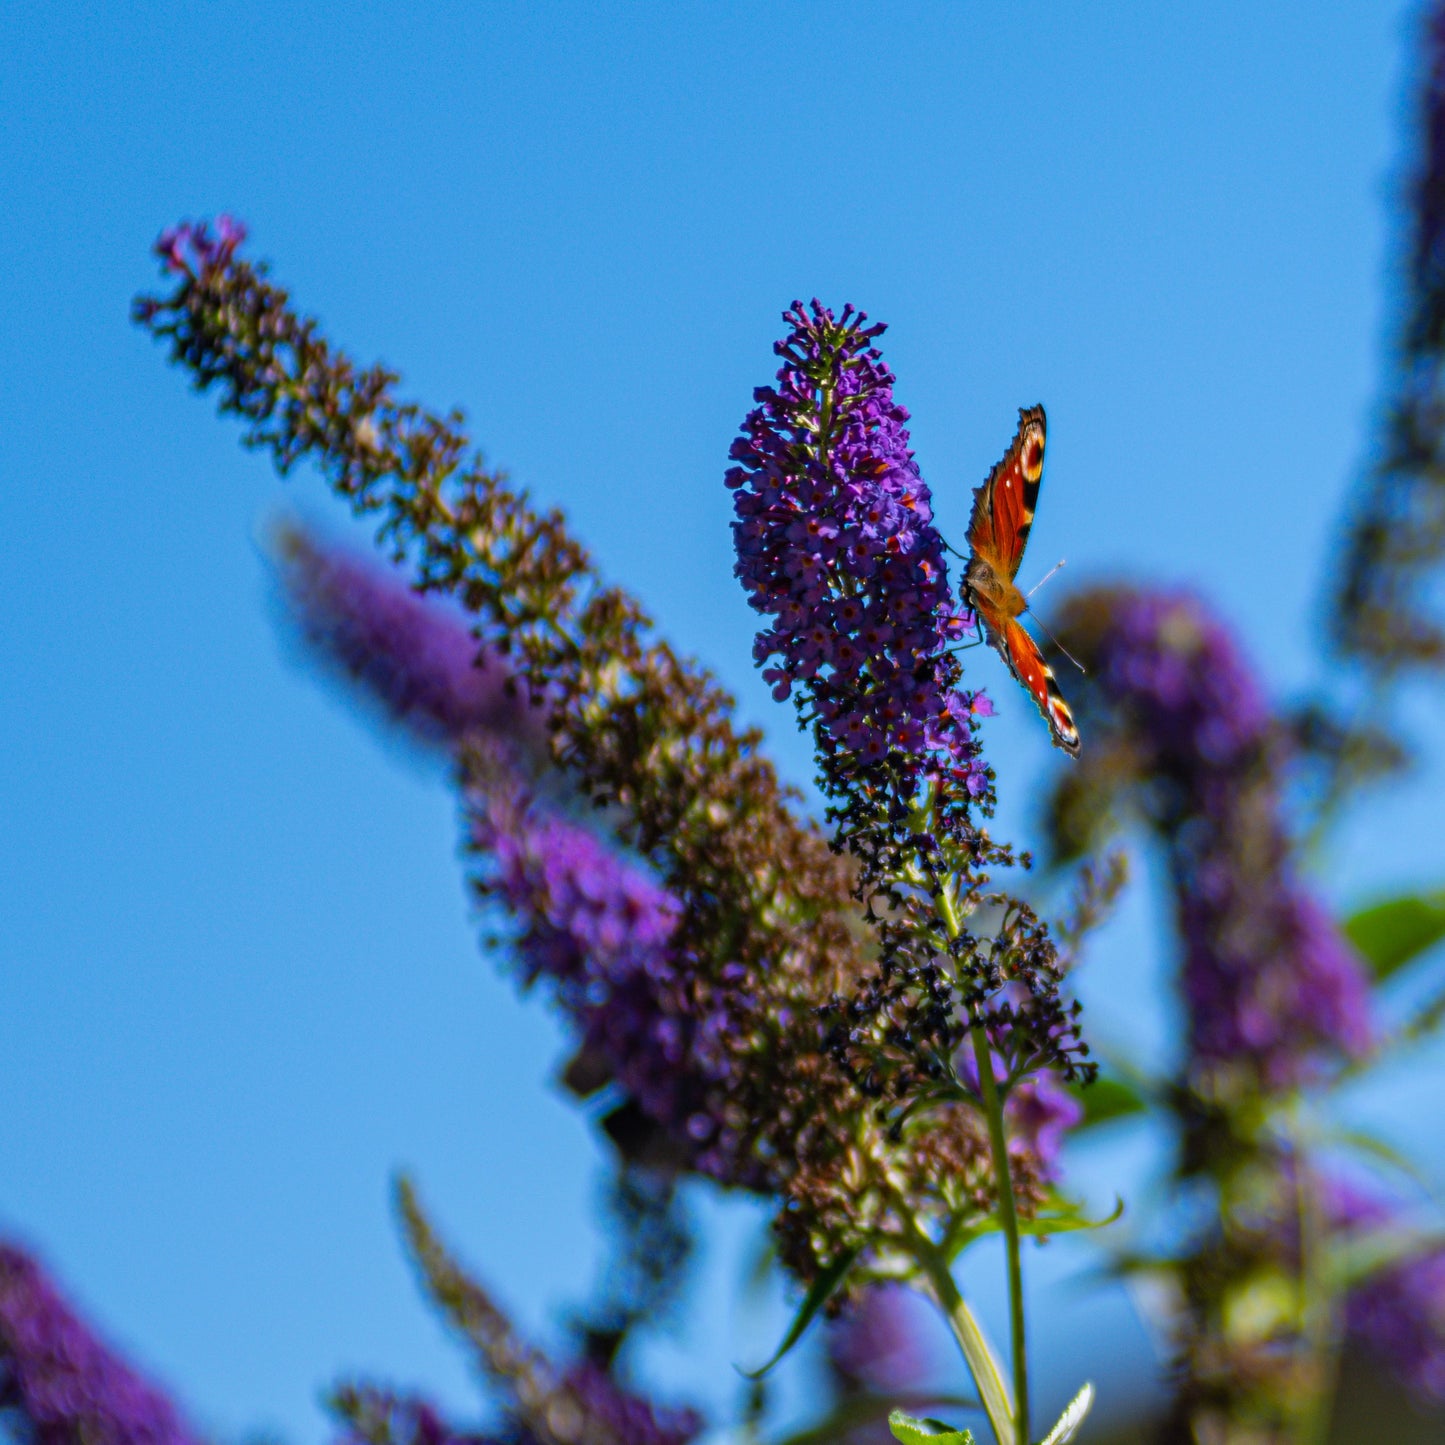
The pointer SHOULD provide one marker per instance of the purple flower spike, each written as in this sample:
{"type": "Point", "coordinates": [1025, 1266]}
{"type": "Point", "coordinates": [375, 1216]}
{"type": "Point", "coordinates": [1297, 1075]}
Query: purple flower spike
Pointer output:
{"type": "Point", "coordinates": [1270, 985]}
{"type": "Point", "coordinates": [836, 545]}
{"type": "Point", "coordinates": [416, 657]}
{"type": "Point", "coordinates": [598, 928]}
{"type": "Point", "coordinates": [61, 1383]}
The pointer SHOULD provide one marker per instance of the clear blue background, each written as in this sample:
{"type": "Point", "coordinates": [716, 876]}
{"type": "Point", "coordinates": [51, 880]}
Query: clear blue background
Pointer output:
{"type": "Point", "coordinates": [238, 981]}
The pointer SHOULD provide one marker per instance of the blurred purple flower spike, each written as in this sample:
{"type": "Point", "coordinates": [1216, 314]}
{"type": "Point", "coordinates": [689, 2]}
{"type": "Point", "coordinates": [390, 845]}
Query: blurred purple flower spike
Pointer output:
{"type": "Point", "coordinates": [874, 1345]}
{"type": "Point", "coordinates": [411, 653]}
{"type": "Point", "coordinates": [1267, 977]}
{"type": "Point", "coordinates": [598, 928]}
{"type": "Point", "coordinates": [1399, 1311]}
{"type": "Point", "coordinates": [59, 1383]}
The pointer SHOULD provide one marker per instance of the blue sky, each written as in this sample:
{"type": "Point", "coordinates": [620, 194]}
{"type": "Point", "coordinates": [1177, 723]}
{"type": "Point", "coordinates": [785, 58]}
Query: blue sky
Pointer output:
{"type": "Point", "coordinates": [240, 984]}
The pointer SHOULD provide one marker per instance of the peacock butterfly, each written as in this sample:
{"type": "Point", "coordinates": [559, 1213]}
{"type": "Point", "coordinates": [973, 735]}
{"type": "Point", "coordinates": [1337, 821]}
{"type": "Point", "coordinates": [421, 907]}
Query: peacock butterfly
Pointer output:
{"type": "Point", "coordinates": [1003, 511]}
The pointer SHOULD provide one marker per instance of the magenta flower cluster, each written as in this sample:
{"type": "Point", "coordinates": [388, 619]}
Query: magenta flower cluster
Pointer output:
{"type": "Point", "coordinates": [836, 545]}
{"type": "Point", "coordinates": [1267, 977]}
{"type": "Point", "coordinates": [58, 1383]}
{"type": "Point", "coordinates": [192, 249]}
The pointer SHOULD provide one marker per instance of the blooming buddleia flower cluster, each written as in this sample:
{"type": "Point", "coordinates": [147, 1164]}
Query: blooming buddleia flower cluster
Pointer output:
{"type": "Point", "coordinates": [642, 743]}
{"type": "Point", "coordinates": [59, 1385]}
{"type": "Point", "coordinates": [1183, 732]}
{"type": "Point", "coordinates": [836, 545]}
{"type": "Point", "coordinates": [593, 924]}
{"type": "Point", "coordinates": [1182, 738]}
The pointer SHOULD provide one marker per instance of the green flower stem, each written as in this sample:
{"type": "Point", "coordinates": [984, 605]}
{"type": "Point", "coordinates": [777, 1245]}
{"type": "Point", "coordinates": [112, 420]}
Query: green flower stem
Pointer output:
{"type": "Point", "coordinates": [1318, 1307]}
{"type": "Point", "coordinates": [1008, 1211]}
{"type": "Point", "coordinates": [977, 1353]}
{"type": "Point", "coordinates": [1008, 1215]}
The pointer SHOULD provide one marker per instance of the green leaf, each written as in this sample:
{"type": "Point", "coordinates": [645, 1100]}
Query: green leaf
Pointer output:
{"type": "Point", "coordinates": [1066, 1216]}
{"type": "Point", "coordinates": [844, 1419]}
{"type": "Point", "coordinates": [913, 1431]}
{"type": "Point", "coordinates": [815, 1299]}
{"type": "Point", "coordinates": [1381, 1151]}
{"type": "Point", "coordinates": [1425, 1020]}
{"type": "Point", "coordinates": [1391, 934]}
{"type": "Point", "coordinates": [1073, 1416]}
{"type": "Point", "coordinates": [1106, 1099]}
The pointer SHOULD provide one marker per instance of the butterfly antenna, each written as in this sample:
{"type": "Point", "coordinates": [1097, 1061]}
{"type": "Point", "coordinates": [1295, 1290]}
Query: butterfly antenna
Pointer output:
{"type": "Point", "coordinates": [1046, 577]}
{"type": "Point", "coordinates": [1056, 641]}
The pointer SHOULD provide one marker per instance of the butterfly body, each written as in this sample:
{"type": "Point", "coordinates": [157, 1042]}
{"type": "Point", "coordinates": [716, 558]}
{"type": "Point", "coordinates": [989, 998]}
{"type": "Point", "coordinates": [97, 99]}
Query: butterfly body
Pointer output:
{"type": "Point", "coordinates": [1003, 512]}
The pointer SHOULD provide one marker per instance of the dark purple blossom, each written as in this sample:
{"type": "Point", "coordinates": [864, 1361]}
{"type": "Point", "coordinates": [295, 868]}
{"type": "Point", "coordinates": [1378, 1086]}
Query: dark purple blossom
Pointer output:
{"type": "Point", "coordinates": [836, 545]}
{"type": "Point", "coordinates": [874, 1344]}
{"type": "Point", "coordinates": [59, 1383]}
{"type": "Point", "coordinates": [628, 1417]}
{"type": "Point", "coordinates": [191, 249]}
{"type": "Point", "coordinates": [598, 928]}
{"type": "Point", "coordinates": [413, 654]}
{"type": "Point", "coordinates": [1268, 981]}
{"type": "Point", "coordinates": [1040, 1112]}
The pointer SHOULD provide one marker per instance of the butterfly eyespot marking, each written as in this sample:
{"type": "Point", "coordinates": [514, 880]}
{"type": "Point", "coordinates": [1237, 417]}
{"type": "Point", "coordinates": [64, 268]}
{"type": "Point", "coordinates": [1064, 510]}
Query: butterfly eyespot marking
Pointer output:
{"type": "Point", "coordinates": [997, 533]}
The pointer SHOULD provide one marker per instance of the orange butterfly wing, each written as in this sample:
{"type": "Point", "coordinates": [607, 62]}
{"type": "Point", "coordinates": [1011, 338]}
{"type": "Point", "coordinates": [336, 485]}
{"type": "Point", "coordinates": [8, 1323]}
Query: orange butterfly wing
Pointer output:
{"type": "Point", "coordinates": [1027, 664]}
{"type": "Point", "coordinates": [1003, 507]}
{"type": "Point", "coordinates": [998, 530]}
